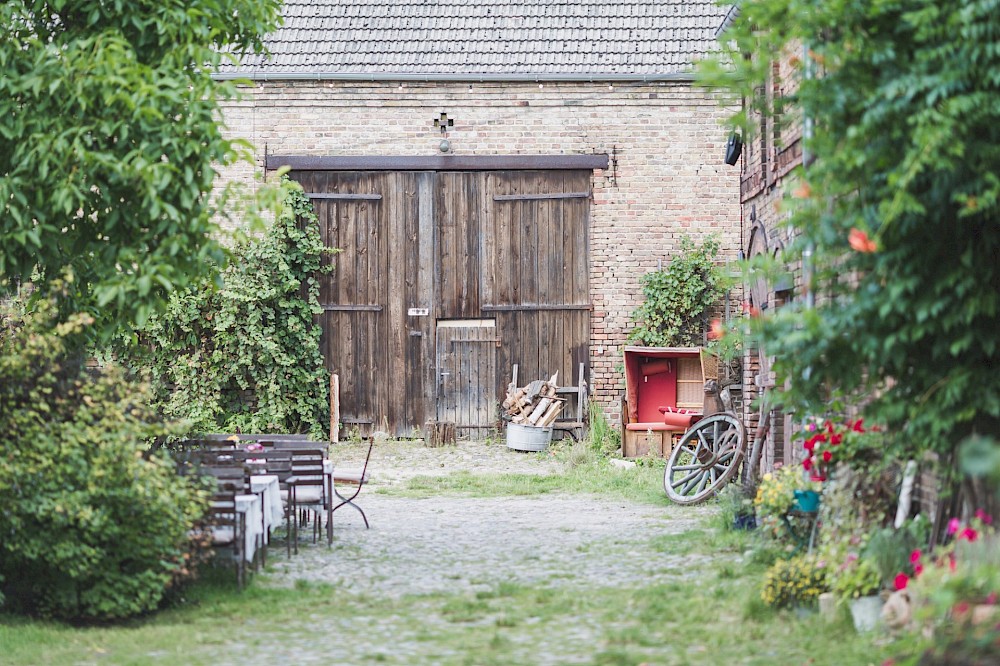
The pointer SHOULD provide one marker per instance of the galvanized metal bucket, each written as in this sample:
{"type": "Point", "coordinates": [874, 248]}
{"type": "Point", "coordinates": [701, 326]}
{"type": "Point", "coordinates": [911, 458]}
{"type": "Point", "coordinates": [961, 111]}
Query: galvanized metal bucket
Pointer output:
{"type": "Point", "coordinates": [528, 438]}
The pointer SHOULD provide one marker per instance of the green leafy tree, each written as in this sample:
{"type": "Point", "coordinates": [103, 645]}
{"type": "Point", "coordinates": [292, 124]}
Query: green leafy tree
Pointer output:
{"type": "Point", "coordinates": [94, 525]}
{"type": "Point", "coordinates": [109, 139]}
{"type": "Point", "coordinates": [679, 297]}
{"type": "Point", "coordinates": [899, 210]}
{"type": "Point", "coordinates": [246, 356]}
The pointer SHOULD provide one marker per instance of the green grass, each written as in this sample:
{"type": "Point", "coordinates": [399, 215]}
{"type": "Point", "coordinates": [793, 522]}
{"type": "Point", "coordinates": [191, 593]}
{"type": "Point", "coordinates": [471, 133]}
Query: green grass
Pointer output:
{"type": "Point", "coordinates": [706, 612]}
{"type": "Point", "coordinates": [709, 614]}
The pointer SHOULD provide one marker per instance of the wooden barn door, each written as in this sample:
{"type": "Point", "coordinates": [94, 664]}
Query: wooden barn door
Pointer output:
{"type": "Point", "coordinates": [466, 368]}
{"type": "Point", "coordinates": [536, 272]}
{"type": "Point", "coordinates": [382, 276]}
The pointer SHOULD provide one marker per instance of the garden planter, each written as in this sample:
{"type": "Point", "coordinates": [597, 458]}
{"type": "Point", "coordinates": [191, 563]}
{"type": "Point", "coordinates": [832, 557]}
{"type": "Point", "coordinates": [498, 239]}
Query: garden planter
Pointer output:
{"type": "Point", "coordinates": [806, 501]}
{"type": "Point", "coordinates": [866, 612]}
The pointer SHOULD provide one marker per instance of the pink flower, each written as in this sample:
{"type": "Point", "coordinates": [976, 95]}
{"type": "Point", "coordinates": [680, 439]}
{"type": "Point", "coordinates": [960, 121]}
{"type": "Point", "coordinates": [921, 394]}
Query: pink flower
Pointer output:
{"type": "Point", "coordinates": [969, 533]}
{"type": "Point", "coordinates": [915, 556]}
{"type": "Point", "coordinates": [991, 598]}
{"type": "Point", "coordinates": [983, 516]}
{"type": "Point", "coordinates": [953, 526]}
{"type": "Point", "coordinates": [811, 427]}
{"type": "Point", "coordinates": [918, 569]}
{"type": "Point", "coordinates": [901, 581]}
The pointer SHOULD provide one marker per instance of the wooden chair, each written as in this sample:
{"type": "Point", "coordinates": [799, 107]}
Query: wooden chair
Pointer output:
{"type": "Point", "coordinates": [308, 492]}
{"type": "Point", "coordinates": [357, 478]}
{"type": "Point", "coordinates": [575, 424]}
{"type": "Point", "coordinates": [274, 463]}
{"type": "Point", "coordinates": [227, 525]}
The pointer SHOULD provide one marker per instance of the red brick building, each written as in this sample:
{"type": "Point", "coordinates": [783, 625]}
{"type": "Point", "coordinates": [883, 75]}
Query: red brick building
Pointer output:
{"type": "Point", "coordinates": [499, 175]}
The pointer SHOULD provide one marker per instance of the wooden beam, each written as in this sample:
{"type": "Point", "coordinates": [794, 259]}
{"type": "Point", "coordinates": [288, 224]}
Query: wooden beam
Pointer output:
{"type": "Point", "coordinates": [438, 162]}
{"type": "Point", "coordinates": [336, 196]}
{"type": "Point", "coordinates": [351, 308]}
{"type": "Point", "coordinates": [539, 197]}
{"type": "Point", "coordinates": [540, 307]}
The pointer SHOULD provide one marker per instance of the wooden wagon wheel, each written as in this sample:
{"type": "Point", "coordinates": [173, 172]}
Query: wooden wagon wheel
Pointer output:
{"type": "Point", "coordinates": [707, 456]}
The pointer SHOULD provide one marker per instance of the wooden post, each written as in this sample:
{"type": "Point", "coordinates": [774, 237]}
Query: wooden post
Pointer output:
{"type": "Point", "coordinates": [334, 407]}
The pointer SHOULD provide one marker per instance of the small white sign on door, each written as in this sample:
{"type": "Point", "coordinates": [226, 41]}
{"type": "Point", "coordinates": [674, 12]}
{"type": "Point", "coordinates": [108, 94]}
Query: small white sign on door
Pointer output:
{"type": "Point", "coordinates": [418, 312]}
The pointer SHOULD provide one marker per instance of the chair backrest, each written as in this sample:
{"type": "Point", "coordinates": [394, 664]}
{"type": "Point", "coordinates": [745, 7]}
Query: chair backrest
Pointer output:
{"type": "Point", "coordinates": [371, 445]}
{"type": "Point", "coordinates": [222, 514]}
{"type": "Point", "coordinates": [277, 463]}
{"type": "Point", "coordinates": [293, 445]}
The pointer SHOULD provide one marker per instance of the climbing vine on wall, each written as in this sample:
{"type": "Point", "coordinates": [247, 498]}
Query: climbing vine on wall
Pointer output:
{"type": "Point", "coordinates": [679, 297]}
{"type": "Point", "coordinates": [245, 356]}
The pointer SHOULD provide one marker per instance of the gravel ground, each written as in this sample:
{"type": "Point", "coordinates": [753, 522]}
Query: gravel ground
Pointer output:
{"type": "Point", "coordinates": [454, 544]}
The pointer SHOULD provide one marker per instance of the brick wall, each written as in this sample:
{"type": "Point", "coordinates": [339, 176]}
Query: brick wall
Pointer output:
{"type": "Point", "coordinates": [667, 177]}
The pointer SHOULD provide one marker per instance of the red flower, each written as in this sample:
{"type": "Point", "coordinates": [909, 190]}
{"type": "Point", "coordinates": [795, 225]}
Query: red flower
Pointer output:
{"type": "Point", "coordinates": [901, 581]}
{"type": "Point", "coordinates": [807, 464]}
{"type": "Point", "coordinates": [918, 569]}
{"type": "Point", "coordinates": [860, 242]}
{"type": "Point", "coordinates": [827, 456]}
{"type": "Point", "coordinates": [991, 598]}
{"type": "Point", "coordinates": [829, 426]}
{"type": "Point", "coordinates": [835, 440]}
{"type": "Point", "coordinates": [915, 556]}
{"type": "Point", "coordinates": [857, 426]}
{"type": "Point", "coordinates": [717, 330]}
{"type": "Point", "coordinates": [817, 477]}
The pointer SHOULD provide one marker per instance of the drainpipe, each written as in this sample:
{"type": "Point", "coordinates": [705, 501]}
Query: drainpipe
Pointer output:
{"type": "Point", "coordinates": [807, 160]}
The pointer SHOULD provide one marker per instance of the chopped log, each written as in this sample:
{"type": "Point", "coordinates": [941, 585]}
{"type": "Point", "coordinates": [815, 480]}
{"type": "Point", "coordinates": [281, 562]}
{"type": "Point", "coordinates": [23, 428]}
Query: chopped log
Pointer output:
{"type": "Point", "coordinates": [539, 409]}
{"type": "Point", "coordinates": [552, 413]}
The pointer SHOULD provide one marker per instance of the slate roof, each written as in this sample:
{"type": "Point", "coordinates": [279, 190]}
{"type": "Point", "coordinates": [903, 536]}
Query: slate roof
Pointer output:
{"type": "Point", "coordinates": [494, 38]}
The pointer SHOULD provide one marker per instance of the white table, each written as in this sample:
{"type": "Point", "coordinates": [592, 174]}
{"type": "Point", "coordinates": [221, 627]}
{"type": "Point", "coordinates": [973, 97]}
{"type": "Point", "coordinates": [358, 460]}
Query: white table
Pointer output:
{"type": "Point", "coordinates": [251, 507]}
{"type": "Point", "coordinates": [267, 486]}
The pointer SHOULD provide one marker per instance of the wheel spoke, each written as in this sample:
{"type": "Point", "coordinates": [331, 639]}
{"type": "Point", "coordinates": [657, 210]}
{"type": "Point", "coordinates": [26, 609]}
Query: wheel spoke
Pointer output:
{"type": "Point", "coordinates": [676, 484]}
{"type": "Point", "coordinates": [700, 477]}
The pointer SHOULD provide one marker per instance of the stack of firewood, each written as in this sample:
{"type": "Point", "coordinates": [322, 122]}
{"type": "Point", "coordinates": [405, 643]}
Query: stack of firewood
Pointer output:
{"type": "Point", "coordinates": [535, 404]}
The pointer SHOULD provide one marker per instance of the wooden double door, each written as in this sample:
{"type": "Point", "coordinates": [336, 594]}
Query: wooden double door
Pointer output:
{"type": "Point", "coordinates": [444, 280]}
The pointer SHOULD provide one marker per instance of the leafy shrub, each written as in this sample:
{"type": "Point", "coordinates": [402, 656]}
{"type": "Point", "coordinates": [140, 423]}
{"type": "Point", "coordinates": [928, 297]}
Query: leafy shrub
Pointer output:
{"type": "Point", "coordinates": [794, 582]}
{"type": "Point", "coordinates": [246, 357]}
{"type": "Point", "coordinates": [94, 526]}
{"type": "Point", "coordinates": [678, 298]}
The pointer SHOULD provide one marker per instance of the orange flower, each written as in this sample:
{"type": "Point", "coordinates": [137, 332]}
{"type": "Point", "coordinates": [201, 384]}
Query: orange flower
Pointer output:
{"type": "Point", "coordinates": [717, 330]}
{"type": "Point", "coordinates": [860, 242]}
{"type": "Point", "coordinates": [802, 191]}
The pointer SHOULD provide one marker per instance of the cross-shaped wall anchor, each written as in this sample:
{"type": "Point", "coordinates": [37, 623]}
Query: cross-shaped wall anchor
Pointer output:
{"type": "Point", "coordinates": [443, 123]}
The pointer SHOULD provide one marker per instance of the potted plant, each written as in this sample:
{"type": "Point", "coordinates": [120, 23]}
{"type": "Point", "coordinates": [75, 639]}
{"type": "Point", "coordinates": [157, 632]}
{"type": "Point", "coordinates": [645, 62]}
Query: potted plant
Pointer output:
{"type": "Point", "coordinates": [857, 581]}
{"type": "Point", "coordinates": [776, 497]}
{"type": "Point", "coordinates": [795, 583]}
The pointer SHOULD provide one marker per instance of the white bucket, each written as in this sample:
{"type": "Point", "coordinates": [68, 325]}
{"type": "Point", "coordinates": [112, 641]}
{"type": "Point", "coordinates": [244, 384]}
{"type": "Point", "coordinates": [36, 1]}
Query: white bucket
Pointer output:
{"type": "Point", "coordinates": [528, 438]}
